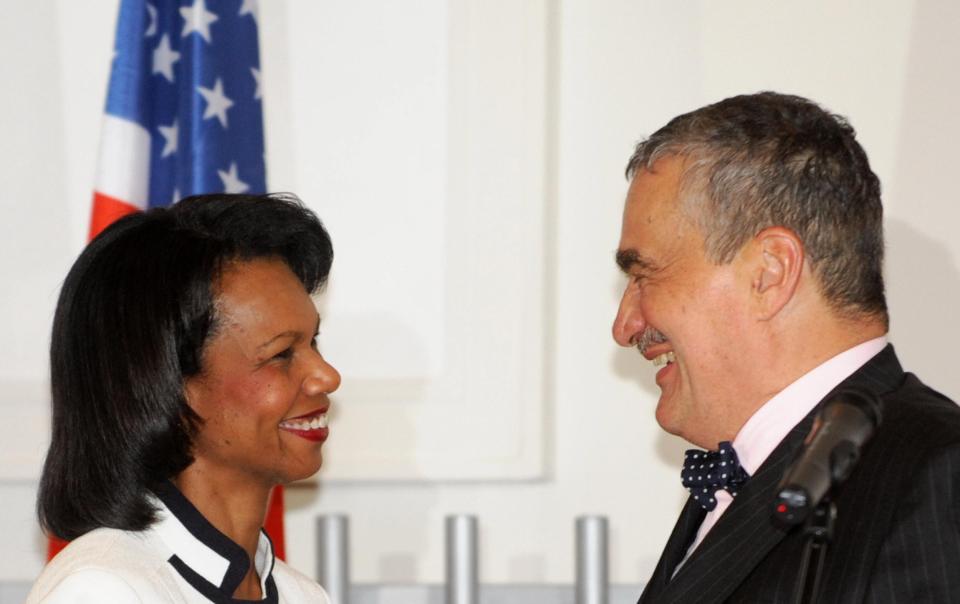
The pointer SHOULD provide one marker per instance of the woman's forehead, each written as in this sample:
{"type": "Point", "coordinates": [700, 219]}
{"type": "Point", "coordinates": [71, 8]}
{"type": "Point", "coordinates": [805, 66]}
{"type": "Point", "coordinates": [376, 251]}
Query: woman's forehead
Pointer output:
{"type": "Point", "coordinates": [261, 299]}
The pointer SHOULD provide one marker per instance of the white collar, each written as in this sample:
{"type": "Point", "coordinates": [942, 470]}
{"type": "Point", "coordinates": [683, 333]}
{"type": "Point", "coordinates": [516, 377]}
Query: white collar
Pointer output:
{"type": "Point", "coordinates": [201, 554]}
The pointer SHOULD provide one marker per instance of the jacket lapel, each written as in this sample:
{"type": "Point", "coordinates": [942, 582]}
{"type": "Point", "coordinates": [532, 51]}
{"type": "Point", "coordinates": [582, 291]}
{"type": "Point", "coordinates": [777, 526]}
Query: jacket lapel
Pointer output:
{"type": "Point", "coordinates": [680, 539]}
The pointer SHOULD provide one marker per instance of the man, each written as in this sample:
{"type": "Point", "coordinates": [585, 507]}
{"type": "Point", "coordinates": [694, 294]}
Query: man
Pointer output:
{"type": "Point", "coordinates": [753, 244]}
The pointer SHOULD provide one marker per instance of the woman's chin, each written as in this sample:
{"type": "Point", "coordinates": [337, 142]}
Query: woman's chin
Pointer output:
{"type": "Point", "coordinates": [303, 472]}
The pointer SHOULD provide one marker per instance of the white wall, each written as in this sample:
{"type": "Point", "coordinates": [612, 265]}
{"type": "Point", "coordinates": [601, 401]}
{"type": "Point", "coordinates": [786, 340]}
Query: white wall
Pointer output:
{"type": "Point", "coordinates": [612, 71]}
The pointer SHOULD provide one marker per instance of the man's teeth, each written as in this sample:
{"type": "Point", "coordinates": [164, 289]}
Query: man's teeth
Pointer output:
{"type": "Point", "coordinates": [663, 359]}
{"type": "Point", "coordinates": [315, 422]}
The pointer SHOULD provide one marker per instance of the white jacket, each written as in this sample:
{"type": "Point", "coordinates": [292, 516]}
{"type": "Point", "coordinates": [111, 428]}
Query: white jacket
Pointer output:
{"type": "Point", "coordinates": [180, 559]}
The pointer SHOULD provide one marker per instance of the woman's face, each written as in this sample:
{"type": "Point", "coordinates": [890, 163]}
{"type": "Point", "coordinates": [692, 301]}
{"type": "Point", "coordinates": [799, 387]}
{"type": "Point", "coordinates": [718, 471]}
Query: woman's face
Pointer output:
{"type": "Point", "coordinates": [262, 391]}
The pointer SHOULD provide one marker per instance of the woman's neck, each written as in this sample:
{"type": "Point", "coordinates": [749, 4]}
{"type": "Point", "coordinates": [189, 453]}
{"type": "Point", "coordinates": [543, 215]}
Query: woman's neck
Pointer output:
{"type": "Point", "coordinates": [236, 507]}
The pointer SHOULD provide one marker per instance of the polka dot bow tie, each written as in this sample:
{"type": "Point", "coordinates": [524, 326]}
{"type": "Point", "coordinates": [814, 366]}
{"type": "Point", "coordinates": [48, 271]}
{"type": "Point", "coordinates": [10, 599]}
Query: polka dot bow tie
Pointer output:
{"type": "Point", "coordinates": [706, 472]}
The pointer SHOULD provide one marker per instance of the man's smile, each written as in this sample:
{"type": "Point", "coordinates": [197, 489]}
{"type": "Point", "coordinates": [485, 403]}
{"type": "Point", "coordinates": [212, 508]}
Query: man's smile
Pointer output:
{"type": "Point", "coordinates": [663, 359]}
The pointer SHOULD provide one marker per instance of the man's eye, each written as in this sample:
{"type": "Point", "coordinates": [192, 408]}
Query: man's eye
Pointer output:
{"type": "Point", "coordinates": [284, 355]}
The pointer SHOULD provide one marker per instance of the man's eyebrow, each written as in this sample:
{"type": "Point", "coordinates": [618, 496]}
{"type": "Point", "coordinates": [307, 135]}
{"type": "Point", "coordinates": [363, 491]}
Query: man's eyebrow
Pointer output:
{"type": "Point", "coordinates": [630, 260]}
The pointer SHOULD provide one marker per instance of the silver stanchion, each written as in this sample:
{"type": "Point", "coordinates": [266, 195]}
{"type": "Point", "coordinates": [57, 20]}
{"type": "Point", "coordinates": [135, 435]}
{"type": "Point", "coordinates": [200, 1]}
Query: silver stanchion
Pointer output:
{"type": "Point", "coordinates": [592, 573]}
{"type": "Point", "coordinates": [462, 582]}
{"type": "Point", "coordinates": [333, 557]}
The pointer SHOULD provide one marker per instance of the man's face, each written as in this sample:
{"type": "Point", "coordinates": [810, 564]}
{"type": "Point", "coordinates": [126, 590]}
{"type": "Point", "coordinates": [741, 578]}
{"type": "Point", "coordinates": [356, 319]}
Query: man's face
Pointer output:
{"type": "Point", "coordinates": [683, 311]}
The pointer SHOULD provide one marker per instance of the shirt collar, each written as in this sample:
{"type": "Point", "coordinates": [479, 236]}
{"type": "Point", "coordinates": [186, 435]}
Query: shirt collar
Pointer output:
{"type": "Point", "coordinates": [205, 551]}
{"type": "Point", "coordinates": [772, 421]}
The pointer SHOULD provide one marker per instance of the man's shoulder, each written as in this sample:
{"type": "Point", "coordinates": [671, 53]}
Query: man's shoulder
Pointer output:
{"type": "Point", "coordinates": [915, 389]}
{"type": "Point", "coordinates": [915, 409]}
{"type": "Point", "coordinates": [919, 427]}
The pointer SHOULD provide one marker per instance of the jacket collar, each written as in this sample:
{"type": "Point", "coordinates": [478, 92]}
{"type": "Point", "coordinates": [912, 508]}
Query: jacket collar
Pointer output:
{"type": "Point", "coordinates": [206, 558]}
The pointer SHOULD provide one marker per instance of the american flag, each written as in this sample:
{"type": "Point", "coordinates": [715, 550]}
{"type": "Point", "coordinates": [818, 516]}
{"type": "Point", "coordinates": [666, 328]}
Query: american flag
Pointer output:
{"type": "Point", "coordinates": [184, 113]}
{"type": "Point", "coordinates": [183, 116]}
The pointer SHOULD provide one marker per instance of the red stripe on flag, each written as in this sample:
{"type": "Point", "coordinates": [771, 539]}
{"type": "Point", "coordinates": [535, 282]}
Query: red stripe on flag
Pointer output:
{"type": "Point", "coordinates": [273, 523]}
{"type": "Point", "coordinates": [107, 209]}
{"type": "Point", "coordinates": [54, 546]}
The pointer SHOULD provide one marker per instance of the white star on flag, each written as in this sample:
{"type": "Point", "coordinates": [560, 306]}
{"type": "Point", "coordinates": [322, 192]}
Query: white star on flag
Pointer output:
{"type": "Point", "coordinates": [250, 8]}
{"type": "Point", "coordinates": [231, 180]}
{"type": "Point", "coordinates": [152, 27]}
{"type": "Point", "coordinates": [181, 114]}
{"type": "Point", "coordinates": [256, 77]}
{"type": "Point", "coordinates": [217, 102]}
{"type": "Point", "coordinates": [164, 57]}
{"type": "Point", "coordinates": [170, 134]}
{"type": "Point", "coordinates": [197, 18]}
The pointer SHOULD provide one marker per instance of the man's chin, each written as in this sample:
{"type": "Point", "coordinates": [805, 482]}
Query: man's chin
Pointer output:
{"type": "Point", "coordinates": [667, 418]}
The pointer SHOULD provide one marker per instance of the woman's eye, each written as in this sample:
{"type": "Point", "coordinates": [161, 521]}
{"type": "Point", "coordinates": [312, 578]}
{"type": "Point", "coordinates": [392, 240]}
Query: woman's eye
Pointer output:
{"type": "Point", "coordinates": [284, 355]}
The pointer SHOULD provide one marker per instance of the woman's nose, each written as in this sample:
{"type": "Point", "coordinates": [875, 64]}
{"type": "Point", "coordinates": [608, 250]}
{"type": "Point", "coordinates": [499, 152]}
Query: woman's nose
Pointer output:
{"type": "Point", "coordinates": [323, 378]}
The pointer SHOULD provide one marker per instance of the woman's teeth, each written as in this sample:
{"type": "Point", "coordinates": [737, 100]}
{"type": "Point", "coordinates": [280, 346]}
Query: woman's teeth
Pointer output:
{"type": "Point", "coordinates": [663, 359]}
{"type": "Point", "coordinates": [313, 423]}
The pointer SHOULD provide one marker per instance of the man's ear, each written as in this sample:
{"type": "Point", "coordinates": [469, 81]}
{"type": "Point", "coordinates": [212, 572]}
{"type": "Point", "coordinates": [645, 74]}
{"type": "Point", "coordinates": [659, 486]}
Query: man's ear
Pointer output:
{"type": "Point", "coordinates": [778, 271]}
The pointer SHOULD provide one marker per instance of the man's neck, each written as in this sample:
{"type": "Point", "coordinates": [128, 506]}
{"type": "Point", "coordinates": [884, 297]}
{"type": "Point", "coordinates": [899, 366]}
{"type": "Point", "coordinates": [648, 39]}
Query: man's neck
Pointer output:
{"type": "Point", "coordinates": [791, 354]}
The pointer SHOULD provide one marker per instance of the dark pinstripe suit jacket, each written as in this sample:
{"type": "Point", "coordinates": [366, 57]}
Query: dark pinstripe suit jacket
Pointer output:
{"type": "Point", "coordinates": [897, 536]}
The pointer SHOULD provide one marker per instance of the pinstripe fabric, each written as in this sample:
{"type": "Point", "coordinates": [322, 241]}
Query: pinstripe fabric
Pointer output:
{"type": "Point", "coordinates": [897, 536]}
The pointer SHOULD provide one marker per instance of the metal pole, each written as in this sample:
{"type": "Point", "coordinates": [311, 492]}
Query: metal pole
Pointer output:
{"type": "Point", "coordinates": [333, 557]}
{"type": "Point", "coordinates": [592, 573]}
{"type": "Point", "coordinates": [462, 583]}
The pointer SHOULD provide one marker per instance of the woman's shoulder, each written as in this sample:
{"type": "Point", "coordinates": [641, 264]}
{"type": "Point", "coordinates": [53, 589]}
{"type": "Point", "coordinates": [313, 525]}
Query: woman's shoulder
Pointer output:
{"type": "Point", "coordinates": [107, 548]}
{"type": "Point", "coordinates": [294, 587]}
{"type": "Point", "coordinates": [104, 565]}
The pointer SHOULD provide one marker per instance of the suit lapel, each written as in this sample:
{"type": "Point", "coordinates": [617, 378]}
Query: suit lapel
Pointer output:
{"type": "Point", "coordinates": [680, 539]}
{"type": "Point", "coordinates": [746, 532]}
{"type": "Point", "coordinates": [742, 536]}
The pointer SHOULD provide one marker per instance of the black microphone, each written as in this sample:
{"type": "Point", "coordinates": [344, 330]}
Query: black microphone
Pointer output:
{"type": "Point", "coordinates": [845, 423]}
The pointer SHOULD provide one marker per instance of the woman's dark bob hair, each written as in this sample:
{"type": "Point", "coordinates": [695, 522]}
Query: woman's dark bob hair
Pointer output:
{"type": "Point", "coordinates": [130, 327]}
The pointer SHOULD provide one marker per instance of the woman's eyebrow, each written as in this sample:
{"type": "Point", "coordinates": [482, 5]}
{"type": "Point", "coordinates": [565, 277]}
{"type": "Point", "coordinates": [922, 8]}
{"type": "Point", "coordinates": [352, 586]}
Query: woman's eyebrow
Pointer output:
{"type": "Point", "coordinates": [285, 334]}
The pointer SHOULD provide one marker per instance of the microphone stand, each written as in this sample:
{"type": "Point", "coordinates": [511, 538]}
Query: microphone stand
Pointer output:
{"type": "Point", "coordinates": [818, 532]}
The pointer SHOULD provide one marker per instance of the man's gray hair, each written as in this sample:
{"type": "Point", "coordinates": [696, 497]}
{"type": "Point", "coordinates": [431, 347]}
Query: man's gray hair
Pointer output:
{"type": "Point", "coordinates": [767, 159]}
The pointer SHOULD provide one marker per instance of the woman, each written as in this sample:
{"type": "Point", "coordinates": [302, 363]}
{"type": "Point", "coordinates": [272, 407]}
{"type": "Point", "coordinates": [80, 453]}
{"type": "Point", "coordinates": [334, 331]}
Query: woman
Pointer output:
{"type": "Point", "coordinates": [186, 383]}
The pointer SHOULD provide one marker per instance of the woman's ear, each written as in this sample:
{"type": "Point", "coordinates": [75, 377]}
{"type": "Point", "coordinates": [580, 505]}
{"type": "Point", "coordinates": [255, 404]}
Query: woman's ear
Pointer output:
{"type": "Point", "coordinates": [193, 391]}
{"type": "Point", "coordinates": [777, 273]}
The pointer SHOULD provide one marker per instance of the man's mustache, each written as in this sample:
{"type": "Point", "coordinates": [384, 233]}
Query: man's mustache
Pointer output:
{"type": "Point", "coordinates": [649, 337]}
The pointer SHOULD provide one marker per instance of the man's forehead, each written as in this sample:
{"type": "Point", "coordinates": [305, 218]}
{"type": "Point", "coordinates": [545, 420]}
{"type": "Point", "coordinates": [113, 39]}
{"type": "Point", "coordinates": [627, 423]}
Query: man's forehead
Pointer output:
{"type": "Point", "coordinates": [656, 226]}
{"type": "Point", "coordinates": [659, 185]}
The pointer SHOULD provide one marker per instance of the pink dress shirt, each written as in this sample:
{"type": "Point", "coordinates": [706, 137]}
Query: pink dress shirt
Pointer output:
{"type": "Point", "coordinates": [770, 423]}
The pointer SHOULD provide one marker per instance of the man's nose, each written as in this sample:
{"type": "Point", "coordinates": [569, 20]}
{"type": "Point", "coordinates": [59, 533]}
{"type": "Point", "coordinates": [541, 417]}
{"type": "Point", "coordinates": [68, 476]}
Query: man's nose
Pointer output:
{"type": "Point", "coordinates": [629, 323]}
